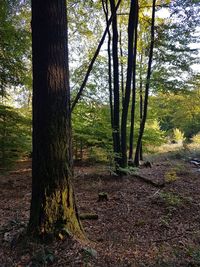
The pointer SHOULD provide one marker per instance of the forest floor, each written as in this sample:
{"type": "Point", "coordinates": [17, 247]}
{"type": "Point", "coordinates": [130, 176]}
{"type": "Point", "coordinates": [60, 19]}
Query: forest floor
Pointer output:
{"type": "Point", "coordinates": [141, 224]}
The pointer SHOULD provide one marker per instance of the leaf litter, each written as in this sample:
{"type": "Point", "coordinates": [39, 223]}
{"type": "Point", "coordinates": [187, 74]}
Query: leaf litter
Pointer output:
{"type": "Point", "coordinates": [138, 226]}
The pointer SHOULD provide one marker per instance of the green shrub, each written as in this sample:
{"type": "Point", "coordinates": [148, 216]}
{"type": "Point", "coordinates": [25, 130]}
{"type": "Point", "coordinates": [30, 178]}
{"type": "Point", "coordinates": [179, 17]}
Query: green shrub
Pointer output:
{"type": "Point", "coordinates": [178, 136]}
{"type": "Point", "coordinates": [15, 134]}
{"type": "Point", "coordinates": [196, 138]}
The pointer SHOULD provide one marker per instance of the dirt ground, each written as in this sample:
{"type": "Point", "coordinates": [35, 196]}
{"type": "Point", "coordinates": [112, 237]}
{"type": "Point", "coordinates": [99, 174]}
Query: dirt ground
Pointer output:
{"type": "Point", "coordinates": [141, 224]}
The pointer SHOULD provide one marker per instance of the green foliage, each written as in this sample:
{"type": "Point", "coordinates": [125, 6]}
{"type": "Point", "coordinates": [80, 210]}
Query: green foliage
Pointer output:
{"type": "Point", "coordinates": [153, 135]}
{"type": "Point", "coordinates": [128, 170]}
{"type": "Point", "coordinates": [92, 132]}
{"type": "Point", "coordinates": [174, 55]}
{"type": "Point", "coordinates": [171, 176]}
{"type": "Point", "coordinates": [178, 136]}
{"type": "Point", "coordinates": [15, 134]}
{"type": "Point", "coordinates": [170, 199]}
{"type": "Point", "coordinates": [196, 138]}
{"type": "Point", "coordinates": [180, 111]}
{"type": "Point", "coordinates": [91, 129]}
{"type": "Point", "coordinates": [15, 44]}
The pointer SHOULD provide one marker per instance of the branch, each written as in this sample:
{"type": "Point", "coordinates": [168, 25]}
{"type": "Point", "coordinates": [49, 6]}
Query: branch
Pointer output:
{"type": "Point", "coordinates": [93, 59]}
{"type": "Point", "coordinates": [148, 181]}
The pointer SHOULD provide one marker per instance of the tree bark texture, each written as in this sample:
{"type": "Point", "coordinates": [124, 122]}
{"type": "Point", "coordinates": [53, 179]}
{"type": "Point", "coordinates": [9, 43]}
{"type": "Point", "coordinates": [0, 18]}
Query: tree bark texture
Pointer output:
{"type": "Point", "coordinates": [53, 207]}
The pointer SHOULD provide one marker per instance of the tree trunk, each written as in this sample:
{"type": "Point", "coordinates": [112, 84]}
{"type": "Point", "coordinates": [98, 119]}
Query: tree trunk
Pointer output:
{"type": "Point", "coordinates": [53, 208]}
{"type": "Point", "coordinates": [121, 64]}
{"type": "Point", "coordinates": [131, 24]}
{"type": "Point", "coordinates": [141, 103]}
{"type": "Point", "coordinates": [116, 105]}
{"type": "Point", "coordinates": [131, 141]}
{"type": "Point", "coordinates": [137, 153]}
{"type": "Point", "coordinates": [3, 140]}
{"type": "Point", "coordinates": [106, 12]}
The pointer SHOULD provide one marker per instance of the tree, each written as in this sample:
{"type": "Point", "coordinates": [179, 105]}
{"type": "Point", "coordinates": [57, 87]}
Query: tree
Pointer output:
{"type": "Point", "coordinates": [14, 45]}
{"type": "Point", "coordinates": [116, 99]}
{"type": "Point", "coordinates": [144, 117]}
{"type": "Point", "coordinates": [130, 63]}
{"type": "Point", "coordinates": [53, 207]}
{"type": "Point", "coordinates": [131, 141]}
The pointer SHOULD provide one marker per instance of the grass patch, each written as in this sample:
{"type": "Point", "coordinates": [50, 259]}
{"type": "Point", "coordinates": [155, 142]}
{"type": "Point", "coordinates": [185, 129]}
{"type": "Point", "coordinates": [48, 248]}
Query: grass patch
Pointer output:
{"type": "Point", "coordinates": [171, 176]}
{"type": "Point", "coordinates": [171, 199]}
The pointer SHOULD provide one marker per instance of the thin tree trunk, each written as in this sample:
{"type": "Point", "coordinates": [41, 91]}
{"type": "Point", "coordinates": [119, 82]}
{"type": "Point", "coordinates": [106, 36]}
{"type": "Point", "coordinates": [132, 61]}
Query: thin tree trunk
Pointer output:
{"type": "Point", "coordinates": [116, 105]}
{"type": "Point", "coordinates": [53, 208]}
{"type": "Point", "coordinates": [137, 153]}
{"type": "Point", "coordinates": [121, 64]}
{"type": "Point", "coordinates": [131, 141]}
{"type": "Point", "coordinates": [3, 140]}
{"type": "Point", "coordinates": [141, 103]}
{"type": "Point", "coordinates": [105, 8]}
{"type": "Point", "coordinates": [131, 24]}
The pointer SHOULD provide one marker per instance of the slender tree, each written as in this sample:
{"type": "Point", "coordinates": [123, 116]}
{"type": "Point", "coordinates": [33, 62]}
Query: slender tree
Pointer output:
{"type": "Point", "coordinates": [144, 117]}
{"type": "Point", "coordinates": [141, 100]}
{"type": "Point", "coordinates": [131, 26]}
{"type": "Point", "coordinates": [116, 99]}
{"type": "Point", "coordinates": [53, 208]}
{"type": "Point", "coordinates": [106, 12]}
{"type": "Point", "coordinates": [131, 141]}
{"type": "Point", "coordinates": [121, 62]}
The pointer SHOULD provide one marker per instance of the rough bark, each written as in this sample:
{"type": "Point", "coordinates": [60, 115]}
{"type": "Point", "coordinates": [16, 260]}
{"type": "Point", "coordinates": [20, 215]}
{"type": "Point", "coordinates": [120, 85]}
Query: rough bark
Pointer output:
{"type": "Point", "coordinates": [53, 207]}
{"type": "Point", "coordinates": [142, 126]}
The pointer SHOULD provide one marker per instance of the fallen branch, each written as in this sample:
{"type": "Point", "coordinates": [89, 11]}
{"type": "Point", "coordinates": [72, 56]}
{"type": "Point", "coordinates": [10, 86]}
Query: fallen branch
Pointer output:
{"type": "Point", "coordinates": [146, 180]}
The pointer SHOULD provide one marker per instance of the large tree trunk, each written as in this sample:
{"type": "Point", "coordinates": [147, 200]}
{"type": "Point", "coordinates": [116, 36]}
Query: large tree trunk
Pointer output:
{"type": "Point", "coordinates": [144, 117]}
{"type": "Point", "coordinates": [53, 207]}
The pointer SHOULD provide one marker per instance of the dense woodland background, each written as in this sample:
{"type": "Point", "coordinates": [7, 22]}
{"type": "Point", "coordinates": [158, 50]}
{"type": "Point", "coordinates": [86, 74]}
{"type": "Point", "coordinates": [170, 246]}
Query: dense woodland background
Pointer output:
{"type": "Point", "coordinates": [173, 113]}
